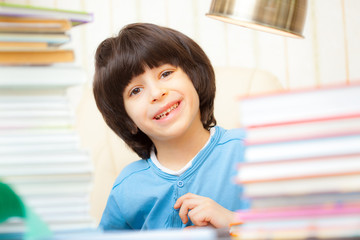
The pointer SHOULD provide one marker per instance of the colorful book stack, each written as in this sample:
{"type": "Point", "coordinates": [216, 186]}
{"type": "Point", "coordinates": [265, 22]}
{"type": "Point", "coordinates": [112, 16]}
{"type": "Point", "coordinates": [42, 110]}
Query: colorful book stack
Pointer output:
{"type": "Point", "coordinates": [41, 157]}
{"type": "Point", "coordinates": [36, 36]}
{"type": "Point", "coordinates": [301, 173]}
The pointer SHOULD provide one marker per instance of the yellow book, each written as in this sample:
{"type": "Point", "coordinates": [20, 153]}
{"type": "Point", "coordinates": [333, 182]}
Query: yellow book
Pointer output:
{"type": "Point", "coordinates": [7, 46]}
{"type": "Point", "coordinates": [27, 24]}
{"type": "Point", "coordinates": [38, 57]}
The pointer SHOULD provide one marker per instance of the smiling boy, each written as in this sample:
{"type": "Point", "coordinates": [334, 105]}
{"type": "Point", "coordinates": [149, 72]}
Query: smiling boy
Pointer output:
{"type": "Point", "coordinates": [155, 88]}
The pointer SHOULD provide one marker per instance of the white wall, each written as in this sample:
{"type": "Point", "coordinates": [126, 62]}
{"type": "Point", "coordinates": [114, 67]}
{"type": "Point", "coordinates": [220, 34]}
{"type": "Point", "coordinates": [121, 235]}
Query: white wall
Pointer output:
{"type": "Point", "coordinates": [246, 61]}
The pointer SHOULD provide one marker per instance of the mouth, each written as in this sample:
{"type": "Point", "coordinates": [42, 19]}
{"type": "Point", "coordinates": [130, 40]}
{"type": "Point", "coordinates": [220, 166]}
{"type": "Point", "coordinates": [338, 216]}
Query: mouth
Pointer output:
{"type": "Point", "coordinates": [166, 112]}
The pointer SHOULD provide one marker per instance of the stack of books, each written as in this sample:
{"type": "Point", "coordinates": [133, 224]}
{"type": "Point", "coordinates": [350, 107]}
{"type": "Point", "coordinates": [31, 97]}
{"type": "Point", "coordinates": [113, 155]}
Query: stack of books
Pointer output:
{"type": "Point", "coordinates": [41, 156]}
{"type": "Point", "coordinates": [36, 36]}
{"type": "Point", "coordinates": [301, 174]}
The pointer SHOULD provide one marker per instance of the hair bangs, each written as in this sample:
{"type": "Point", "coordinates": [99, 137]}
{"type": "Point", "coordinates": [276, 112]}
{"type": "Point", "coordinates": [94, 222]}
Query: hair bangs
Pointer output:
{"type": "Point", "coordinates": [139, 51]}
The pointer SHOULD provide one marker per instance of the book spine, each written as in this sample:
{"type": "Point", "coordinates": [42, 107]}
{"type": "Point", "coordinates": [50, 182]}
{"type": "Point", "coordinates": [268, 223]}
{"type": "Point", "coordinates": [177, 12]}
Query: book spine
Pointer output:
{"type": "Point", "coordinates": [316, 211]}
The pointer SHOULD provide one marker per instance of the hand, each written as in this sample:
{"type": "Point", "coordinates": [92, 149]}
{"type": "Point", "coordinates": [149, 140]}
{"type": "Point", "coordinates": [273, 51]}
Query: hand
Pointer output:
{"type": "Point", "coordinates": [204, 211]}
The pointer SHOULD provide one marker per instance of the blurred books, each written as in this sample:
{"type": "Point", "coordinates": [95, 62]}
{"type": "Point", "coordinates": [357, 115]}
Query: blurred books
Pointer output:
{"type": "Point", "coordinates": [17, 10]}
{"type": "Point", "coordinates": [40, 57]}
{"type": "Point", "coordinates": [36, 36]}
{"type": "Point", "coordinates": [28, 24]}
{"type": "Point", "coordinates": [40, 152]}
{"type": "Point", "coordinates": [204, 233]}
{"type": "Point", "coordinates": [301, 173]}
{"type": "Point", "coordinates": [55, 77]}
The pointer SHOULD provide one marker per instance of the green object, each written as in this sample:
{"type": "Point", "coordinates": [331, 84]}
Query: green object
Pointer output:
{"type": "Point", "coordinates": [36, 228]}
{"type": "Point", "coordinates": [11, 205]}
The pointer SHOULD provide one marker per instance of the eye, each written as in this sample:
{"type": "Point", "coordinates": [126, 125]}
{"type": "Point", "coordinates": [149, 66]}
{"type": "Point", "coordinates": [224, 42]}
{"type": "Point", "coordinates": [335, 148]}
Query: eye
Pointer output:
{"type": "Point", "coordinates": [135, 91]}
{"type": "Point", "coordinates": [166, 74]}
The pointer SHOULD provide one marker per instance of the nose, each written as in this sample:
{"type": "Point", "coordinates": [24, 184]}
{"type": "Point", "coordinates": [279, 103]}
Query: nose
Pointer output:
{"type": "Point", "coordinates": [158, 93]}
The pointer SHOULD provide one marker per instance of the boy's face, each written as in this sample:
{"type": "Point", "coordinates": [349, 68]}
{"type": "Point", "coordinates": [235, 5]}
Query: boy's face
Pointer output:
{"type": "Point", "coordinates": [163, 103]}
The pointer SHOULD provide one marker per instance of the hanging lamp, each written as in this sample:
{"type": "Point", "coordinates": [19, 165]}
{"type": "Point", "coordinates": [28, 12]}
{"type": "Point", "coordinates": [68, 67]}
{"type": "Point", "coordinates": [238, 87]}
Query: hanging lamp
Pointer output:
{"type": "Point", "coordinates": [283, 17]}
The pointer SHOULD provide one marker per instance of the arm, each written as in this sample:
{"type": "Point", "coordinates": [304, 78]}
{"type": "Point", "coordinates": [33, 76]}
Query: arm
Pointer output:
{"type": "Point", "coordinates": [204, 211]}
{"type": "Point", "coordinates": [112, 218]}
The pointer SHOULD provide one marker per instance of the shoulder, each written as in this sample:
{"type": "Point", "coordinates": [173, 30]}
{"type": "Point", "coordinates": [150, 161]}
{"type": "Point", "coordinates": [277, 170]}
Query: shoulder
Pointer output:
{"type": "Point", "coordinates": [131, 170]}
{"type": "Point", "coordinates": [230, 145]}
{"type": "Point", "coordinates": [230, 135]}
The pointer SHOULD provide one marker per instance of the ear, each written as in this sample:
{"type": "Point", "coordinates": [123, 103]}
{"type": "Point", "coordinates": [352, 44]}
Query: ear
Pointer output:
{"type": "Point", "coordinates": [134, 129]}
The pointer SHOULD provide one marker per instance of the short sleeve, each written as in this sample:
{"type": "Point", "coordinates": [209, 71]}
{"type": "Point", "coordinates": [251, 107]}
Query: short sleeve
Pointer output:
{"type": "Point", "coordinates": [112, 218]}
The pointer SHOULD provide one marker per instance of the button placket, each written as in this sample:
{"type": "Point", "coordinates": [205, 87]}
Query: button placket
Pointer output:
{"type": "Point", "coordinates": [180, 184]}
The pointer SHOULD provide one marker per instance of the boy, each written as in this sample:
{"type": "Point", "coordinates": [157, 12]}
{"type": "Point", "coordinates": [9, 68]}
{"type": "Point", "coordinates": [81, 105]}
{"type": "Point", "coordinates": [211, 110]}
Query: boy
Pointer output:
{"type": "Point", "coordinates": [155, 88]}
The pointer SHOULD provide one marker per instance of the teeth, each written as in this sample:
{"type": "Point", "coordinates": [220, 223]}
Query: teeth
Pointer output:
{"type": "Point", "coordinates": [165, 113]}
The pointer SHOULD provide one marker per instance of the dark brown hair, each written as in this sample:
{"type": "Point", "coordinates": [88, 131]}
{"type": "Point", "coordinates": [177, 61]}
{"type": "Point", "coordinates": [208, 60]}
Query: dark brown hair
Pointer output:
{"type": "Point", "coordinates": [137, 46]}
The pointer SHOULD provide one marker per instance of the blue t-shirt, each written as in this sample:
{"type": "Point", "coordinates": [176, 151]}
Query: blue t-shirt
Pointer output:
{"type": "Point", "coordinates": [143, 196]}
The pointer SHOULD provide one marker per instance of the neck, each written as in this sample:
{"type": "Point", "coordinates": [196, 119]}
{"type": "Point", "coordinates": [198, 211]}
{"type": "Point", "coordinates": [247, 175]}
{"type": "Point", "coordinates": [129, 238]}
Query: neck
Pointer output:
{"type": "Point", "coordinates": [177, 153]}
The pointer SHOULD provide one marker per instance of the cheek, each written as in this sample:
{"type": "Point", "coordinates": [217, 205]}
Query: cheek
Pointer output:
{"type": "Point", "coordinates": [133, 115]}
{"type": "Point", "coordinates": [130, 111]}
{"type": "Point", "coordinates": [195, 98]}
{"type": "Point", "coordinates": [136, 111]}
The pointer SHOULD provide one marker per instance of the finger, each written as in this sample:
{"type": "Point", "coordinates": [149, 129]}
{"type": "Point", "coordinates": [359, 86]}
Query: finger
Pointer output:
{"type": "Point", "coordinates": [192, 226]}
{"type": "Point", "coordinates": [183, 214]}
{"type": "Point", "coordinates": [199, 217]}
{"type": "Point", "coordinates": [187, 204]}
{"type": "Point", "coordinates": [181, 199]}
